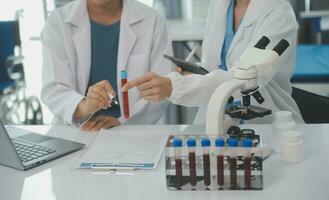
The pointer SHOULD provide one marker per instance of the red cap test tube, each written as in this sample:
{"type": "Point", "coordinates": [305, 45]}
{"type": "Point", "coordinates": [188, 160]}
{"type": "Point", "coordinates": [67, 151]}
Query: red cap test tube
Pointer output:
{"type": "Point", "coordinates": [124, 77]}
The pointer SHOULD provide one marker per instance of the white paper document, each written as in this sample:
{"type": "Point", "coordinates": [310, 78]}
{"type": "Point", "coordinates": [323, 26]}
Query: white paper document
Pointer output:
{"type": "Point", "coordinates": [126, 149]}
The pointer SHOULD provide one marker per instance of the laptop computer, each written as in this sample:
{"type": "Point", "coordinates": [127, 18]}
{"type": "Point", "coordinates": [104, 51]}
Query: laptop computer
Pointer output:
{"type": "Point", "coordinates": [25, 150]}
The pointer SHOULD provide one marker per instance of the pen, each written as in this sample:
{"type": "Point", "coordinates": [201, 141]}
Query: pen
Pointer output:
{"type": "Point", "coordinates": [113, 99]}
{"type": "Point", "coordinates": [113, 170]}
{"type": "Point", "coordinates": [104, 168]}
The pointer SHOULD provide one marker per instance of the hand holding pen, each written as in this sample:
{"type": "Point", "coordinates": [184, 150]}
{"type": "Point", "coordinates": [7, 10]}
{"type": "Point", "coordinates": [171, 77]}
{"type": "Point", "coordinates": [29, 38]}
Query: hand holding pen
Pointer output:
{"type": "Point", "coordinates": [99, 96]}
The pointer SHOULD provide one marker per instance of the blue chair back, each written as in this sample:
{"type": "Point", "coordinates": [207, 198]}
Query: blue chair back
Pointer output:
{"type": "Point", "coordinates": [312, 64]}
{"type": "Point", "coordinates": [9, 38]}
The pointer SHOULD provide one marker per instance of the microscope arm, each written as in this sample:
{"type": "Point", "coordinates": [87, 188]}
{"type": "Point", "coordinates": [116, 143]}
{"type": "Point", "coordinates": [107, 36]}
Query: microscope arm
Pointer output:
{"type": "Point", "coordinates": [216, 123]}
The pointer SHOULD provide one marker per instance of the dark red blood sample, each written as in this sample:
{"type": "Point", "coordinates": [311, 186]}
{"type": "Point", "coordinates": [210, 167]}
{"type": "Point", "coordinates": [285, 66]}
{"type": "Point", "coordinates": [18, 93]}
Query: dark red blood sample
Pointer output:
{"type": "Point", "coordinates": [247, 172]}
{"type": "Point", "coordinates": [125, 100]}
{"type": "Point", "coordinates": [233, 175]}
{"type": "Point", "coordinates": [191, 157]}
{"type": "Point", "coordinates": [206, 169]}
{"type": "Point", "coordinates": [220, 170]}
{"type": "Point", "coordinates": [179, 173]}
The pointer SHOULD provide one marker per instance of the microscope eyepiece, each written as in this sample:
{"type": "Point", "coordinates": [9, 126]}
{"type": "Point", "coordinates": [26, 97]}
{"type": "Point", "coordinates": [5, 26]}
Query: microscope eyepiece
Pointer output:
{"type": "Point", "coordinates": [281, 47]}
{"type": "Point", "coordinates": [262, 43]}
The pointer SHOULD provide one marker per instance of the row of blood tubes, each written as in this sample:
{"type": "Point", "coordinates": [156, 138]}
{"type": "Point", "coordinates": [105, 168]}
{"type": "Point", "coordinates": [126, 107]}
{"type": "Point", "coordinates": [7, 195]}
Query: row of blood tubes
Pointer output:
{"type": "Point", "coordinates": [232, 143]}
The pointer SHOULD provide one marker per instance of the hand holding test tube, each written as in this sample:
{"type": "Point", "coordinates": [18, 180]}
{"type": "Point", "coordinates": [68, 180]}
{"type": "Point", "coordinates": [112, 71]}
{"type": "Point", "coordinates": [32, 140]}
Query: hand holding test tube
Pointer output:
{"type": "Point", "coordinates": [151, 86]}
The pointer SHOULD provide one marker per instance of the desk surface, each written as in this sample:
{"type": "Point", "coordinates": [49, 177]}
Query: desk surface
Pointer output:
{"type": "Point", "coordinates": [57, 180]}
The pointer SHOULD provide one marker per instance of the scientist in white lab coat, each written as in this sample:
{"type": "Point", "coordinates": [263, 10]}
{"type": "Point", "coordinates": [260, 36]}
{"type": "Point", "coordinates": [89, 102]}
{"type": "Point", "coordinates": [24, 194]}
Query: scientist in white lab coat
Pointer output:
{"type": "Point", "coordinates": [232, 26]}
{"type": "Point", "coordinates": [85, 46]}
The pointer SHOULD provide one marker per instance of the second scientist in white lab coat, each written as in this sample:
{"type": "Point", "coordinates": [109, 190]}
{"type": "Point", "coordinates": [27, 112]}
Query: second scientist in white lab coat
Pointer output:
{"type": "Point", "coordinates": [67, 58]}
{"type": "Point", "coordinates": [272, 18]}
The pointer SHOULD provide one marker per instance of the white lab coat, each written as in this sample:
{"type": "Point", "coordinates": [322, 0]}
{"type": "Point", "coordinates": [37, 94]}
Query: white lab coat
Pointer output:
{"type": "Point", "coordinates": [67, 57]}
{"type": "Point", "coordinates": [272, 18]}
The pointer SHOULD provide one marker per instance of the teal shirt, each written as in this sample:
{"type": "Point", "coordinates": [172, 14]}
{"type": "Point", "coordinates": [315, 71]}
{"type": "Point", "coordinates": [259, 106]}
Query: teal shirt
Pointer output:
{"type": "Point", "coordinates": [104, 55]}
{"type": "Point", "coordinates": [229, 35]}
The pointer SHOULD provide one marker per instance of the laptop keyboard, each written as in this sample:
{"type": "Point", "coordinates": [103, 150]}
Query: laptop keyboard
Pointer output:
{"type": "Point", "coordinates": [28, 152]}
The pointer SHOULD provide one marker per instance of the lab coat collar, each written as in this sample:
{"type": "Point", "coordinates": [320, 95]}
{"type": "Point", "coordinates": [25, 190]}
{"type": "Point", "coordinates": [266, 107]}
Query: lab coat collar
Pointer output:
{"type": "Point", "coordinates": [131, 15]}
{"type": "Point", "coordinates": [79, 14]}
{"type": "Point", "coordinates": [254, 8]}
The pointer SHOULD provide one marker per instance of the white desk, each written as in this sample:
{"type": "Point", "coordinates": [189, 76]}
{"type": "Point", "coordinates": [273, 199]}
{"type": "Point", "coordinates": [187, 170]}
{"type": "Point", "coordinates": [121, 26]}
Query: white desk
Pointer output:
{"type": "Point", "coordinates": [55, 180]}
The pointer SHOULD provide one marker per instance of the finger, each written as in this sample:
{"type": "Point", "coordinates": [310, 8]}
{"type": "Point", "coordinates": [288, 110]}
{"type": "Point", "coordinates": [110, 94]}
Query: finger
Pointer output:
{"type": "Point", "coordinates": [96, 104]}
{"type": "Point", "coordinates": [89, 124]}
{"type": "Point", "coordinates": [92, 128]}
{"type": "Point", "coordinates": [106, 85]}
{"type": "Point", "coordinates": [93, 91]}
{"type": "Point", "coordinates": [137, 81]}
{"type": "Point", "coordinates": [145, 86]}
{"type": "Point", "coordinates": [178, 69]}
{"type": "Point", "coordinates": [99, 125]}
{"type": "Point", "coordinates": [108, 125]}
{"type": "Point", "coordinates": [114, 121]}
{"type": "Point", "coordinates": [96, 97]}
{"type": "Point", "coordinates": [113, 93]}
{"type": "Point", "coordinates": [146, 93]}
{"type": "Point", "coordinates": [184, 73]}
{"type": "Point", "coordinates": [100, 92]}
{"type": "Point", "coordinates": [154, 97]}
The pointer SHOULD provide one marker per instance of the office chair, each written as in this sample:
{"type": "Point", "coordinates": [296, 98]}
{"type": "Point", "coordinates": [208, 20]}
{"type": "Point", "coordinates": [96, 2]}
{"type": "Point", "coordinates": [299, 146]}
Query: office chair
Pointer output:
{"type": "Point", "coordinates": [314, 108]}
{"type": "Point", "coordinates": [15, 107]}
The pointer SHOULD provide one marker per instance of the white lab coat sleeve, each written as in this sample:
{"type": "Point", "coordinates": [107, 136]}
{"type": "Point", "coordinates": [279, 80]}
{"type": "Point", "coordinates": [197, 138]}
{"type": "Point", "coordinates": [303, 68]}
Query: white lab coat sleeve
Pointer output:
{"type": "Point", "coordinates": [161, 45]}
{"type": "Point", "coordinates": [58, 81]}
{"type": "Point", "coordinates": [195, 90]}
{"type": "Point", "coordinates": [279, 23]}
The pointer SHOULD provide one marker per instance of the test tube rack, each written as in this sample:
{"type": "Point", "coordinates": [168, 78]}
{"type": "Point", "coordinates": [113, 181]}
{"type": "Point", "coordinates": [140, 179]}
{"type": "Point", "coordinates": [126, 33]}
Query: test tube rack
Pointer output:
{"type": "Point", "coordinates": [230, 180]}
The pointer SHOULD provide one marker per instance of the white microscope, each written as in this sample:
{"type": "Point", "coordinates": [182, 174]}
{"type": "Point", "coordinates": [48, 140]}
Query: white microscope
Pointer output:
{"type": "Point", "coordinates": [253, 62]}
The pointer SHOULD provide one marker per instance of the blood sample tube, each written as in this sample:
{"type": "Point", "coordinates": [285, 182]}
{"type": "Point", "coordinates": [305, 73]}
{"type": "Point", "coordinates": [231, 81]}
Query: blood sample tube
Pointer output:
{"type": "Point", "coordinates": [205, 143]}
{"type": "Point", "coordinates": [233, 143]}
{"type": "Point", "coordinates": [247, 144]}
{"type": "Point", "coordinates": [125, 97]}
{"type": "Point", "coordinates": [191, 143]}
{"type": "Point", "coordinates": [220, 161]}
{"type": "Point", "coordinates": [177, 144]}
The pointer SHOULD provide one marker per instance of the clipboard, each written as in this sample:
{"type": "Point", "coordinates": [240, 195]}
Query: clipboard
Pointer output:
{"type": "Point", "coordinates": [124, 150]}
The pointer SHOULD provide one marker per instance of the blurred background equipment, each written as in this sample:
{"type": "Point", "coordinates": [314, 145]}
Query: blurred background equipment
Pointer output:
{"type": "Point", "coordinates": [15, 106]}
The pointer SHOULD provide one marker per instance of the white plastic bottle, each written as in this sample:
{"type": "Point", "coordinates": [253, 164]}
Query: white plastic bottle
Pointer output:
{"type": "Point", "coordinates": [282, 122]}
{"type": "Point", "coordinates": [291, 146]}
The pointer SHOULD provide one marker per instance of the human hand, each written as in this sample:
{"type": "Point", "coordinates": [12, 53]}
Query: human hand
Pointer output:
{"type": "Point", "coordinates": [97, 123]}
{"type": "Point", "coordinates": [180, 70]}
{"type": "Point", "coordinates": [97, 99]}
{"type": "Point", "coordinates": [151, 86]}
